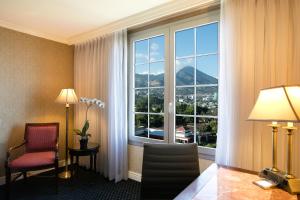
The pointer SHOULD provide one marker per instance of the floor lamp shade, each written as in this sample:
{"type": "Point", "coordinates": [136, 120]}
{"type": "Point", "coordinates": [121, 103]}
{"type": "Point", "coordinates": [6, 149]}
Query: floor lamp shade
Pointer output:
{"type": "Point", "coordinates": [66, 96]}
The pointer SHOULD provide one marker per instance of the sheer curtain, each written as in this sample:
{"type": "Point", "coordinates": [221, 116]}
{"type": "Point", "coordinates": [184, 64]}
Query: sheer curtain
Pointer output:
{"type": "Point", "coordinates": [117, 106]}
{"type": "Point", "coordinates": [260, 47]}
{"type": "Point", "coordinates": [100, 72]}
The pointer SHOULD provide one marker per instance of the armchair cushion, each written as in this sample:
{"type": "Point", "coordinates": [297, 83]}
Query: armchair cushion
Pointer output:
{"type": "Point", "coordinates": [32, 160]}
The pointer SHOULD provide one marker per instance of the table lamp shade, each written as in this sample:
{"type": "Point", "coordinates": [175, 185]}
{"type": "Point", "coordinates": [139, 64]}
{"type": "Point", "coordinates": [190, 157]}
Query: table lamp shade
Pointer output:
{"type": "Point", "coordinates": [277, 104]}
{"type": "Point", "coordinates": [67, 96]}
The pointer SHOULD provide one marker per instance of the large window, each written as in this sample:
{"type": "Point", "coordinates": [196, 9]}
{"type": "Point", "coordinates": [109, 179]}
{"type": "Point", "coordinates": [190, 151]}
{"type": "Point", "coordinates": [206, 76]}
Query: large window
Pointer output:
{"type": "Point", "coordinates": [174, 82]}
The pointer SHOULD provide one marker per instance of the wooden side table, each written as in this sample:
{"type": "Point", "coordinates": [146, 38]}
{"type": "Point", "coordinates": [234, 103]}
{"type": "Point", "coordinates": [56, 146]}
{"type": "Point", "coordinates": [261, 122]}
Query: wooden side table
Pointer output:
{"type": "Point", "coordinates": [91, 150]}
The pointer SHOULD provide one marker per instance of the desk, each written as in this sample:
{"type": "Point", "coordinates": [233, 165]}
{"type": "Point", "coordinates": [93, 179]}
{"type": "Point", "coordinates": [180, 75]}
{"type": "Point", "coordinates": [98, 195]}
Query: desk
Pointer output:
{"type": "Point", "coordinates": [91, 150]}
{"type": "Point", "coordinates": [221, 183]}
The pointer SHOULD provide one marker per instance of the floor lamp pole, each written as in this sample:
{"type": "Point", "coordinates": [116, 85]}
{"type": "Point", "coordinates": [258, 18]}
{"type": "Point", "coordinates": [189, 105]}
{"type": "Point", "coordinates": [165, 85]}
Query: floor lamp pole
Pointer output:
{"type": "Point", "coordinates": [66, 174]}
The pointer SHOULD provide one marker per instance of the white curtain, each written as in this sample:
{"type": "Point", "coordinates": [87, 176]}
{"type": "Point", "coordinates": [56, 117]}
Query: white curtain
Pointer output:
{"type": "Point", "coordinates": [260, 47]}
{"type": "Point", "coordinates": [101, 72]}
{"type": "Point", "coordinates": [117, 106]}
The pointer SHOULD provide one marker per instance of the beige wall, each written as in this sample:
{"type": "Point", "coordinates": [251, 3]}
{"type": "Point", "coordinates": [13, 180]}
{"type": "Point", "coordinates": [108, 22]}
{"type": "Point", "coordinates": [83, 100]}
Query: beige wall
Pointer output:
{"type": "Point", "coordinates": [135, 159]}
{"type": "Point", "coordinates": [32, 73]}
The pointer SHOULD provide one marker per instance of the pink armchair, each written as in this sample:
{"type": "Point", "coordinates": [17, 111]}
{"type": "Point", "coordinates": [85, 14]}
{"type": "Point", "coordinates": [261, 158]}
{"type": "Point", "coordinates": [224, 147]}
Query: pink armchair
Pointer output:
{"type": "Point", "coordinates": [41, 151]}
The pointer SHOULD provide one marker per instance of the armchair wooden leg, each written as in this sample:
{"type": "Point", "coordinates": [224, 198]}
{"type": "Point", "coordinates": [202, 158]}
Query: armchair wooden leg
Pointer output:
{"type": "Point", "coordinates": [56, 176]}
{"type": "Point", "coordinates": [24, 176]}
{"type": "Point", "coordinates": [7, 182]}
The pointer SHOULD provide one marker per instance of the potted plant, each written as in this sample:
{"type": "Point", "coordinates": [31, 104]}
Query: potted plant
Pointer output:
{"type": "Point", "coordinates": [83, 133]}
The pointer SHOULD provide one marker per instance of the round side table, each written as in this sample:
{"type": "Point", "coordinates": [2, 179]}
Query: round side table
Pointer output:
{"type": "Point", "coordinates": [91, 150]}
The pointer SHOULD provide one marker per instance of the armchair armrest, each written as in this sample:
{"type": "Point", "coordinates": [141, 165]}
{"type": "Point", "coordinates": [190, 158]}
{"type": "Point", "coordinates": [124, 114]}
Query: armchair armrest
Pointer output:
{"type": "Point", "coordinates": [56, 152]}
{"type": "Point", "coordinates": [13, 148]}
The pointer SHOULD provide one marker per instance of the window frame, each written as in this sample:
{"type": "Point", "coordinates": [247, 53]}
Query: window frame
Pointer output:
{"type": "Point", "coordinates": [169, 31]}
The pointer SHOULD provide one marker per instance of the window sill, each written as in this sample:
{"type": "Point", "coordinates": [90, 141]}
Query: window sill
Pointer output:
{"type": "Point", "coordinates": [203, 152]}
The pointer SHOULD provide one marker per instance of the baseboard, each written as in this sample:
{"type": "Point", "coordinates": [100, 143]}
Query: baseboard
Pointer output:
{"type": "Point", "coordinates": [61, 163]}
{"type": "Point", "coordinates": [131, 175]}
{"type": "Point", "coordinates": [134, 176]}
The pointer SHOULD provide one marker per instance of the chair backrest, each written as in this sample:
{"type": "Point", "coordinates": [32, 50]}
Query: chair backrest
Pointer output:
{"type": "Point", "coordinates": [168, 169]}
{"type": "Point", "coordinates": [41, 136]}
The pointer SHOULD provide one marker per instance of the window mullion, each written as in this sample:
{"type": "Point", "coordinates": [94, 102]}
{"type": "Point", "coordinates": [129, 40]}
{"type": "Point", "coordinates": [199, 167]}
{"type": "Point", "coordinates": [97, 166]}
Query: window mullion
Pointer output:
{"type": "Point", "coordinates": [148, 88]}
{"type": "Point", "coordinates": [195, 83]}
{"type": "Point", "coordinates": [172, 87]}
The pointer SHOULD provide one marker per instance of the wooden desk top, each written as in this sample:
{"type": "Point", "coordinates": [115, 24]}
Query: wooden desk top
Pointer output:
{"type": "Point", "coordinates": [220, 183]}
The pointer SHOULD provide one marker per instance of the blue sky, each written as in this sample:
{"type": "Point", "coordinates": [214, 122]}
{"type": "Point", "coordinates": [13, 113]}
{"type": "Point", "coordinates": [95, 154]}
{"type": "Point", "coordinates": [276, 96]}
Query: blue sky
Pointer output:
{"type": "Point", "coordinates": [206, 43]}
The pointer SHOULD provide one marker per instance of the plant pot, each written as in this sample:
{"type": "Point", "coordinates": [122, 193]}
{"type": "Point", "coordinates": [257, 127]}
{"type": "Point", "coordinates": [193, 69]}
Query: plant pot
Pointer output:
{"type": "Point", "coordinates": [83, 143]}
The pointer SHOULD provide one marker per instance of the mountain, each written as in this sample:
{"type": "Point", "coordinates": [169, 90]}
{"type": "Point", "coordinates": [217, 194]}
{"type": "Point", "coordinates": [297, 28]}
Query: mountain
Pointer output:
{"type": "Point", "coordinates": [186, 76]}
{"type": "Point", "coordinates": [183, 77]}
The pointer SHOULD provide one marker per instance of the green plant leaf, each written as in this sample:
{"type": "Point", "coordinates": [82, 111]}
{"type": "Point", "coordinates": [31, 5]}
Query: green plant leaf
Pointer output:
{"type": "Point", "coordinates": [85, 127]}
{"type": "Point", "coordinates": [77, 131]}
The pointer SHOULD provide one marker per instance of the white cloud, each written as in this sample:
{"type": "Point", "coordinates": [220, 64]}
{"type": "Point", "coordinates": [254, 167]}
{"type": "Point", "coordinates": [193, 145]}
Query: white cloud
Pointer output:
{"type": "Point", "coordinates": [141, 56]}
{"type": "Point", "coordinates": [181, 63]}
{"type": "Point", "coordinates": [155, 53]}
{"type": "Point", "coordinates": [154, 46]}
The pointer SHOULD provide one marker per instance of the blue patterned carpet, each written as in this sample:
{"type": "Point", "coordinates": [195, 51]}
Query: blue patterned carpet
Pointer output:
{"type": "Point", "coordinates": [88, 186]}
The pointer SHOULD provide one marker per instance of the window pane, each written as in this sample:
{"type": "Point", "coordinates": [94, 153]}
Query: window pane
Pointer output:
{"type": "Point", "coordinates": [207, 39]}
{"type": "Point", "coordinates": [207, 100]}
{"type": "Point", "coordinates": [141, 75]}
{"type": "Point", "coordinates": [157, 48]}
{"type": "Point", "coordinates": [207, 69]}
{"type": "Point", "coordinates": [185, 70]}
{"type": "Point", "coordinates": [141, 100]}
{"type": "Point", "coordinates": [141, 125]}
{"type": "Point", "coordinates": [184, 41]}
{"type": "Point", "coordinates": [141, 52]}
{"type": "Point", "coordinates": [184, 129]}
{"type": "Point", "coordinates": [156, 130]}
{"type": "Point", "coordinates": [156, 100]}
{"type": "Point", "coordinates": [185, 100]}
{"type": "Point", "coordinates": [206, 132]}
{"type": "Point", "coordinates": [157, 74]}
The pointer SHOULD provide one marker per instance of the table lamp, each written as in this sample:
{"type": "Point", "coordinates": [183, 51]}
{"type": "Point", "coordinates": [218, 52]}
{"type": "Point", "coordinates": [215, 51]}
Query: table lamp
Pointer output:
{"type": "Point", "coordinates": [67, 97]}
{"type": "Point", "coordinates": [279, 104]}
{"type": "Point", "coordinates": [293, 94]}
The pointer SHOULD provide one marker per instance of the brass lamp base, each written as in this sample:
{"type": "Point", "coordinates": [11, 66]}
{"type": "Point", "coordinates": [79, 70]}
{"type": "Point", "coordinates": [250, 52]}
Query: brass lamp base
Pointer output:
{"type": "Point", "coordinates": [290, 129]}
{"type": "Point", "coordinates": [289, 176]}
{"type": "Point", "coordinates": [274, 169]}
{"type": "Point", "coordinates": [65, 175]}
{"type": "Point", "coordinates": [291, 185]}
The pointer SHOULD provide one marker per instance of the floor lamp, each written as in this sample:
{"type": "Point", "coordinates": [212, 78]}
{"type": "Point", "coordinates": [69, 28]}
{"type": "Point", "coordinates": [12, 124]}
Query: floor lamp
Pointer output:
{"type": "Point", "coordinates": [67, 97]}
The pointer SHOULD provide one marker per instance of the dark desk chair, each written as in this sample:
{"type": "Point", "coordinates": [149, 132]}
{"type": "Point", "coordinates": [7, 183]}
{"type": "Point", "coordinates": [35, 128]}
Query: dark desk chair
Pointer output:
{"type": "Point", "coordinates": [41, 151]}
{"type": "Point", "coordinates": [168, 169]}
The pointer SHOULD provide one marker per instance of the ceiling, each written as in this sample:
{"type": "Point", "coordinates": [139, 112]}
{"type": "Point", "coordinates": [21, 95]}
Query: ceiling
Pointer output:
{"type": "Point", "coordinates": [64, 19]}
